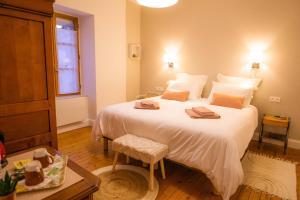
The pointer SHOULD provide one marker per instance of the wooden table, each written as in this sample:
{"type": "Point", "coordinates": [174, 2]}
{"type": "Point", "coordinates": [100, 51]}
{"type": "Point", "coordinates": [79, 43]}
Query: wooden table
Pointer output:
{"type": "Point", "coordinates": [83, 190]}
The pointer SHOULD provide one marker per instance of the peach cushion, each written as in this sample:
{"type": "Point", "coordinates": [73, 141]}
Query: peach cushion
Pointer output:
{"type": "Point", "coordinates": [176, 95]}
{"type": "Point", "coordinates": [228, 100]}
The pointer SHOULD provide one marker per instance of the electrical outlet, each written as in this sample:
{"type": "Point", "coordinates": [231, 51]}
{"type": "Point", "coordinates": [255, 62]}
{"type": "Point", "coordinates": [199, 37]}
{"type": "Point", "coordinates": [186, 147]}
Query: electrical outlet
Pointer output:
{"type": "Point", "coordinates": [274, 99]}
{"type": "Point", "coordinates": [159, 88]}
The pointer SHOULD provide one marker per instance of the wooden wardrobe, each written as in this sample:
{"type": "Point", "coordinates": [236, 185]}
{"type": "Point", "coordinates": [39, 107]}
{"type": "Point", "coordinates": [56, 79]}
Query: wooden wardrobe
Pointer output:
{"type": "Point", "coordinates": [27, 94]}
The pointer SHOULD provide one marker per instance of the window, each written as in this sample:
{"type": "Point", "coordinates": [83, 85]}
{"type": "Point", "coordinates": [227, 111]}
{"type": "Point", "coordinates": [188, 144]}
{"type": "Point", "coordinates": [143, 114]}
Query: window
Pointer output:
{"type": "Point", "coordinates": [67, 55]}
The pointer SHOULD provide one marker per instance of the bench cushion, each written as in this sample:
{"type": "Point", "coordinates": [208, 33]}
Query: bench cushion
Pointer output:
{"type": "Point", "coordinates": [140, 148]}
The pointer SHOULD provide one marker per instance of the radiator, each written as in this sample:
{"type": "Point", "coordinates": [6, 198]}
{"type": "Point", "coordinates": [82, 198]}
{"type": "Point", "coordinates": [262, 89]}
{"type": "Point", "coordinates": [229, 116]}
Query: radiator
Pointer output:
{"type": "Point", "coordinates": [71, 110]}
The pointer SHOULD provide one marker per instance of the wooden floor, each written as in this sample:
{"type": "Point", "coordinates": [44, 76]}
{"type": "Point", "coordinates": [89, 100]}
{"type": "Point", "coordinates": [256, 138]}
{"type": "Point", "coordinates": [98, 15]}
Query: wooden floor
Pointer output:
{"type": "Point", "coordinates": [181, 183]}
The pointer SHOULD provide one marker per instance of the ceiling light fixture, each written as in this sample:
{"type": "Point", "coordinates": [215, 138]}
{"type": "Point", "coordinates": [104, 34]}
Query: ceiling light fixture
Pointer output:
{"type": "Point", "coordinates": [157, 3]}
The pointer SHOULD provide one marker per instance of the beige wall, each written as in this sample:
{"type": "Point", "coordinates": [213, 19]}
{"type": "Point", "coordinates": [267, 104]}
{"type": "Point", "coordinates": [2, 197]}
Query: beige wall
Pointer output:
{"type": "Point", "coordinates": [214, 36]}
{"type": "Point", "coordinates": [133, 27]}
{"type": "Point", "coordinates": [109, 18]}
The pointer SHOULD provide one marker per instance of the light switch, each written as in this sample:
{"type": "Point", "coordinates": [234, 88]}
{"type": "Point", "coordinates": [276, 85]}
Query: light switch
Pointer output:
{"type": "Point", "coordinates": [274, 99]}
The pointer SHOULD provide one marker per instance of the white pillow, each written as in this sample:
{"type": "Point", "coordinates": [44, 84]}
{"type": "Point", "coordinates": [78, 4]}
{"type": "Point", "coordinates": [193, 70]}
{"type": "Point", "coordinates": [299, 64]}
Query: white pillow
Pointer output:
{"type": "Point", "coordinates": [230, 89]}
{"type": "Point", "coordinates": [240, 81]}
{"type": "Point", "coordinates": [191, 77]}
{"type": "Point", "coordinates": [187, 82]}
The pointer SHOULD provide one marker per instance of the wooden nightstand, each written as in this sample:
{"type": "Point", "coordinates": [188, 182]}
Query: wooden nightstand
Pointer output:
{"type": "Point", "coordinates": [276, 121]}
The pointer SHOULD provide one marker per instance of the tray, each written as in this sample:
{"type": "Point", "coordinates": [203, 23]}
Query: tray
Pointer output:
{"type": "Point", "coordinates": [54, 176]}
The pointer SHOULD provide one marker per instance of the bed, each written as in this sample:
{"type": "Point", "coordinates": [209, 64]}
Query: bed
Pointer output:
{"type": "Point", "coordinates": [214, 146]}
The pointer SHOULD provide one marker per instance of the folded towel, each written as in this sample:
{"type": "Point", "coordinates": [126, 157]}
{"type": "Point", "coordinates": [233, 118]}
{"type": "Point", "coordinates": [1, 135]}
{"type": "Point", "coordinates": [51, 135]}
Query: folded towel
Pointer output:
{"type": "Point", "coordinates": [148, 103]}
{"type": "Point", "coordinates": [195, 115]}
{"type": "Point", "coordinates": [203, 111]}
{"type": "Point", "coordinates": [139, 105]}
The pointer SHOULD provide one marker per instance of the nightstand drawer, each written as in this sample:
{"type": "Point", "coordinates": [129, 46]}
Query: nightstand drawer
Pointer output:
{"type": "Point", "coordinates": [275, 123]}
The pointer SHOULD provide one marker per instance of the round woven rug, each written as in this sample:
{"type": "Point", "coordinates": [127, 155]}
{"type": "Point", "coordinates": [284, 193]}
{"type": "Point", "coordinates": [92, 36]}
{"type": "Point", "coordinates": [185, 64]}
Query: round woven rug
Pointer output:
{"type": "Point", "coordinates": [126, 183]}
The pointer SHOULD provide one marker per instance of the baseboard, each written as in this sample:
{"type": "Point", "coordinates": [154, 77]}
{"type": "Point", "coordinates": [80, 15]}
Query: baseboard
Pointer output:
{"type": "Point", "coordinates": [91, 122]}
{"type": "Point", "coordinates": [295, 144]}
{"type": "Point", "coordinates": [73, 126]}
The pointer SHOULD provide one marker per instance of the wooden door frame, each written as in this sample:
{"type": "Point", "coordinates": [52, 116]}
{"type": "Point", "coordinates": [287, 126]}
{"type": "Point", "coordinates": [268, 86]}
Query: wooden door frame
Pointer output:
{"type": "Point", "coordinates": [76, 24]}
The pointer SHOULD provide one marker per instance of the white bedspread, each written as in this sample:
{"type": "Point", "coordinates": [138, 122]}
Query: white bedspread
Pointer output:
{"type": "Point", "coordinates": [213, 146]}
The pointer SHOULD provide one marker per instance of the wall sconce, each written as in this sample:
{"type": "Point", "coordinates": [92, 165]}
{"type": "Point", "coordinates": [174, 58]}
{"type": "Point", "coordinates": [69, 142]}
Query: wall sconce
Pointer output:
{"type": "Point", "coordinates": [255, 65]}
{"type": "Point", "coordinates": [257, 56]}
{"type": "Point", "coordinates": [171, 65]}
{"type": "Point", "coordinates": [256, 59]}
{"type": "Point", "coordinates": [170, 60]}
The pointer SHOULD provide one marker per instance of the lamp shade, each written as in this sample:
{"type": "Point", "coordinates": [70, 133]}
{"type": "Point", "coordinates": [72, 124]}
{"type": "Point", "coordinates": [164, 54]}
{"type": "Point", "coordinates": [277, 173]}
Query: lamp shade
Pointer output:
{"type": "Point", "coordinates": [157, 3]}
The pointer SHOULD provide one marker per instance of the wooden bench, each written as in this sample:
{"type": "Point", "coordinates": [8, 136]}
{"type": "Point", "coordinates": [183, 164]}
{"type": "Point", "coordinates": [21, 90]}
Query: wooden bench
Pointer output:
{"type": "Point", "coordinates": [142, 149]}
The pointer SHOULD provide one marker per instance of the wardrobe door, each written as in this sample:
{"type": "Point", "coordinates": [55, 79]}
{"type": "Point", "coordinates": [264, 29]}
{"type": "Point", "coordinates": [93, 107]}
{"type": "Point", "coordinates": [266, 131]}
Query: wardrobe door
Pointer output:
{"type": "Point", "coordinates": [27, 106]}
